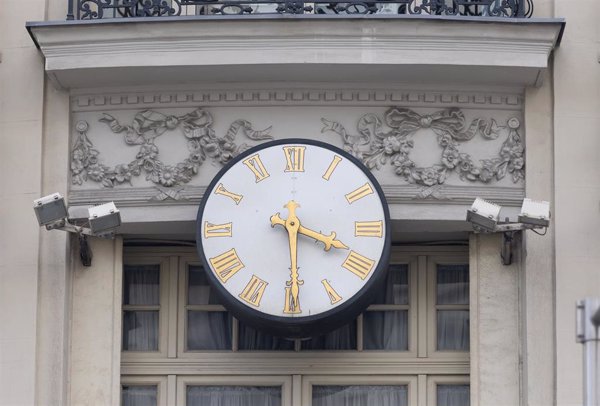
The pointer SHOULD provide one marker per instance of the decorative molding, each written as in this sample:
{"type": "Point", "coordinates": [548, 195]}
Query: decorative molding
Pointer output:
{"type": "Point", "coordinates": [376, 147]}
{"type": "Point", "coordinates": [395, 194]}
{"type": "Point", "coordinates": [146, 126]}
{"type": "Point", "coordinates": [258, 97]}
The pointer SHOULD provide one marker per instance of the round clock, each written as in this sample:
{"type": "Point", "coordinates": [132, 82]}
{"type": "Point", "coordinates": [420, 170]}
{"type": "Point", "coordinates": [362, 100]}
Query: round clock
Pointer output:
{"type": "Point", "coordinates": [294, 235]}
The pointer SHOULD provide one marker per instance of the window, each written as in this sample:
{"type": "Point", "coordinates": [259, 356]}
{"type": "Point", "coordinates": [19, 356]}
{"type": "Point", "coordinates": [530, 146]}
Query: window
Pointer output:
{"type": "Point", "coordinates": [181, 346]}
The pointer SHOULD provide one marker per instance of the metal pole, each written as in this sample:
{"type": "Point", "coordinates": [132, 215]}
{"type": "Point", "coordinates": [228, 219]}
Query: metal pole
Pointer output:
{"type": "Point", "coordinates": [588, 333]}
{"type": "Point", "coordinates": [70, 10]}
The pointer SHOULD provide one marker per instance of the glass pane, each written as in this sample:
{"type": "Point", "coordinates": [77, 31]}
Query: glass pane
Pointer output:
{"type": "Point", "coordinates": [251, 339]}
{"type": "Point", "coordinates": [139, 395]}
{"type": "Point", "coordinates": [141, 284]}
{"type": "Point", "coordinates": [344, 338]}
{"type": "Point", "coordinates": [233, 396]}
{"type": "Point", "coordinates": [140, 330]}
{"type": "Point", "coordinates": [452, 284]}
{"type": "Point", "coordinates": [208, 330]}
{"type": "Point", "coordinates": [453, 395]}
{"type": "Point", "coordinates": [396, 287]}
{"type": "Point", "coordinates": [386, 330]}
{"type": "Point", "coordinates": [199, 290]}
{"type": "Point", "coordinates": [360, 395]}
{"type": "Point", "coordinates": [453, 330]}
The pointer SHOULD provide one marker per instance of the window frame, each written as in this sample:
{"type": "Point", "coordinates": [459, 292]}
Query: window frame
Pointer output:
{"type": "Point", "coordinates": [150, 380]}
{"type": "Point", "coordinates": [434, 380]}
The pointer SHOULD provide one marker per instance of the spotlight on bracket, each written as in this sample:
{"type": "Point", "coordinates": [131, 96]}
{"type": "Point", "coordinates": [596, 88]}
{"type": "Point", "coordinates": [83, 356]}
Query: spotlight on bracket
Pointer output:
{"type": "Point", "coordinates": [51, 212]}
{"type": "Point", "coordinates": [484, 216]}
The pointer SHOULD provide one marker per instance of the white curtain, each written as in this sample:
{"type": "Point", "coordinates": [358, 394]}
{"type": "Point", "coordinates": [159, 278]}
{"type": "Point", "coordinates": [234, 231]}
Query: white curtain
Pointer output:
{"type": "Point", "coordinates": [452, 288]}
{"type": "Point", "coordinates": [453, 395]}
{"type": "Point", "coordinates": [141, 285]}
{"type": "Point", "coordinates": [452, 284]}
{"type": "Point", "coordinates": [233, 396]}
{"type": "Point", "coordinates": [140, 331]}
{"type": "Point", "coordinates": [344, 338]}
{"type": "Point", "coordinates": [453, 330]}
{"type": "Point", "coordinates": [360, 395]}
{"type": "Point", "coordinates": [208, 330]}
{"type": "Point", "coordinates": [139, 396]}
{"type": "Point", "coordinates": [251, 339]}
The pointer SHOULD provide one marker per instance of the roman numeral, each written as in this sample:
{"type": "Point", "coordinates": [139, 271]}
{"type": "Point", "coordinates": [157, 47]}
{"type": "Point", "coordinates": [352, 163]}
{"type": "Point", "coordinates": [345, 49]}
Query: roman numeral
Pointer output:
{"type": "Point", "coordinates": [256, 166]}
{"type": "Point", "coordinates": [295, 159]}
{"type": "Point", "coordinates": [332, 166]}
{"type": "Point", "coordinates": [220, 190]}
{"type": "Point", "coordinates": [290, 307]}
{"type": "Point", "coordinates": [254, 290]}
{"type": "Point", "coordinates": [368, 228]}
{"type": "Point", "coordinates": [359, 193]}
{"type": "Point", "coordinates": [217, 230]}
{"type": "Point", "coordinates": [226, 265]}
{"type": "Point", "coordinates": [358, 265]}
{"type": "Point", "coordinates": [333, 295]}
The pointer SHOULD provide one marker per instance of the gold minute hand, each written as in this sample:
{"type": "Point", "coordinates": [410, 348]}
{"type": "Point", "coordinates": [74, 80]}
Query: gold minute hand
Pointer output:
{"type": "Point", "coordinates": [328, 240]}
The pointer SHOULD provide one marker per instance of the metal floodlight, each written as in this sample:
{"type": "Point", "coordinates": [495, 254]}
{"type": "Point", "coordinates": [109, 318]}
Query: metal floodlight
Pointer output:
{"type": "Point", "coordinates": [104, 218]}
{"type": "Point", "coordinates": [50, 210]}
{"type": "Point", "coordinates": [535, 212]}
{"type": "Point", "coordinates": [483, 214]}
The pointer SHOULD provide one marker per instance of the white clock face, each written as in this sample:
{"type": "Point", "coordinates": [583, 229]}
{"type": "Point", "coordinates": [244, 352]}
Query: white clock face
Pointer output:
{"type": "Point", "coordinates": [293, 230]}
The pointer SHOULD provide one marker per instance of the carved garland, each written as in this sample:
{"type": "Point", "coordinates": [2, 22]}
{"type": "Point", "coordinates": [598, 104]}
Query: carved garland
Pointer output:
{"type": "Point", "coordinates": [147, 125]}
{"type": "Point", "coordinates": [376, 147]}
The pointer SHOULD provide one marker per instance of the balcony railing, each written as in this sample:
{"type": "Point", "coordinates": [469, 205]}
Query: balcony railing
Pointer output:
{"type": "Point", "coordinates": [103, 9]}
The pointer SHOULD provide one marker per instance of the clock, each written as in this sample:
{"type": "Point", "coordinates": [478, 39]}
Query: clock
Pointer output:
{"type": "Point", "coordinates": [294, 235]}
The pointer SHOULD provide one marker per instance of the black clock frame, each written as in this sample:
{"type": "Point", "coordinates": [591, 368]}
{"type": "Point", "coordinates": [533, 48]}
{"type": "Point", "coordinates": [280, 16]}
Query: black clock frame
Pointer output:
{"type": "Point", "coordinates": [307, 326]}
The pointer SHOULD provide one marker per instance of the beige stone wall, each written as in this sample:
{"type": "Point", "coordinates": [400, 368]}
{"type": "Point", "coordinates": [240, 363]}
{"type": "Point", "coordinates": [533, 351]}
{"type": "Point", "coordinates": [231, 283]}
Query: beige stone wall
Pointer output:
{"type": "Point", "coordinates": [577, 191]}
{"type": "Point", "coordinates": [21, 143]}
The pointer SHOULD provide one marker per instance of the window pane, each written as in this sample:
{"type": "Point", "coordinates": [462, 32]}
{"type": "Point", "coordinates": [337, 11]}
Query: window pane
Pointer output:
{"type": "Point", "coordinates": [141, 284]}
{"type": "Point", "coordinates": [251, 339]}
{"type": "Point", "coordinates": [140, 331]}
{"type": "Point", "coordinates": [386, 330]}
{"type": "Point", "coordinates": [360, 395]}
{"type": "Point", "coordinates": [139, 395]}
{"type": "Point", "coordinates": [396, 288]}
{"type": "Point", "coordinates": [453, 330]}
{"type": "Point", "coordinates": [344, 338]}
{"type": "Point", "coordinates": [233, 395]}
{"type": "Point", "coordinates": [452, 284]}
{"type": "Point", "coordinates": [199, 290]}
{"type": "Point", "coordinates": [208, 330]}
{"type": "Point", "coordinates": [453, 395]}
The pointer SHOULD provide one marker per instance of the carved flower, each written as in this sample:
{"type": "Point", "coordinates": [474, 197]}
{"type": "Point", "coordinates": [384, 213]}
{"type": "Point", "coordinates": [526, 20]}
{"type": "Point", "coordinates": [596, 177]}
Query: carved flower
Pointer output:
{"type": "Point", "coordinates": [96, 172]}
{"type": "Point", "coordinates": [517, 163]}
{"type": "Point", "coordinates": [92, 157]}
{"type": "Point", "coordinates": [167, 175]}
{"type": "Point", "coordinates": [122, 173]}
{"type": "Point", "coordinates": [450, 157]}
{"type": "Point", "coordinates": [513, 123]}
{"type": "Point", "coordinates": [430, 176]}
{"type": "Point", "coordinates": [444, 140]}
{"type": "Point", "coordinates": [486, 173]}
{"type": "Point", "coordinates": [147, 151]}
{"type": "Point", "coordinates": [466, 164]}
{"type": "Point", "coordinates": [171, 122]}
{"type": "Point", "coordinates": [197, 157]}
{"type": "Point", "coordinates": [391, 145]}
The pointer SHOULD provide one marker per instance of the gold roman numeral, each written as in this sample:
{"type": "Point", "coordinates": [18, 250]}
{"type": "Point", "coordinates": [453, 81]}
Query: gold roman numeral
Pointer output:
{"type": "Point", "coordinates": [358, 265]}
{"type": "Point", "coordinates": [256, 166]}
{"type": "Point", "coordinates": [217, 230]}
{"type": "Point", "coordinates": [333, 295]}
{"type": "Point", "coordinates": [359, 193]}
{"type": "Point", "coordinates": [291, 307]}
{"type": "Point", "coordinates": [295, 159]}
{"type": "Point", "coordinates": [220, 190]}
{"type": "Point", "coordinates": [254, 290]}
{"type": "Point", "coordinates": [368, 228]}
{"type": "Point", "coordinates": [332, 166]}
{"type": "Point", "coordinates": [226, 265]}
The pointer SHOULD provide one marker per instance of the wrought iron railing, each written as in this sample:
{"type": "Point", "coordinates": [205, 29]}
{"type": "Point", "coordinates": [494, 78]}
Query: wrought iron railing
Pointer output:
{"type": "Point", "coordinates": [98, 9]}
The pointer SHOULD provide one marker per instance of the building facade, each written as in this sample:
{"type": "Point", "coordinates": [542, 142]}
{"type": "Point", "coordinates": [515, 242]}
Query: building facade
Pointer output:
{"type": "Point", "coordinates": [142, 103]}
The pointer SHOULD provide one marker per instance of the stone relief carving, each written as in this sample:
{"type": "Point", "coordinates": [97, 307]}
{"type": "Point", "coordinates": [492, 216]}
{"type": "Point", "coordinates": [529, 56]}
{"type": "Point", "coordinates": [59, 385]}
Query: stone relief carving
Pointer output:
{"type": "Point", "coordinates": [376, 146]}
{"type": "Point", "coordinates": [147, 125]}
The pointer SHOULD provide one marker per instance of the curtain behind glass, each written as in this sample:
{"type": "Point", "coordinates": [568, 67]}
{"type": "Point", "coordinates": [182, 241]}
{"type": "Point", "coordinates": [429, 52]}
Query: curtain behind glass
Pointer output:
{"type": "Point", "coordinates": [344, 338]}
{"type": "Point", "coordinates": [453, 395]}
{"type": "Point", "coordinates": [141, 284]}
{"type": "Point", "coordinates": [452, 288]}
{"type": "Point", "coordinates": [138, 395]}
{"type": "Point", "coordinates": [396, 286]}
{"type": "Point", "coordinates": [140, 331]}
{"type": "Point", "coordinates": [453, 330]}
{"type": "Point", "coordinates": [251, 339]}
{"type": "Point", "coordinates": [233, 396]}
{"type": "Point", "coordinates": [208, 330]}
{"type": "Point", "coordinates": [199, 290]}
{"type": "Point", "coordinates": [452, 284]}
{"type": "Point", "coordinates": [360, 395]}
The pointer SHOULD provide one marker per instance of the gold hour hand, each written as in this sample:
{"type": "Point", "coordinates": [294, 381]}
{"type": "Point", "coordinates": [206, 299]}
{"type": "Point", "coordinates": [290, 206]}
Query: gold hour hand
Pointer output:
{"type": "Point", "coordinates": [328, 240]}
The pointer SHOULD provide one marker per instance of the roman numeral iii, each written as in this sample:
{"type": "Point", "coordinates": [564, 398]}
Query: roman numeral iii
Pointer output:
{"type": "Point", "coordinates": [254, 290]}
{"type": "Point", "coordinates": [217, 230]}
{"type": "Point", "coordinates": [257, 167]}
{"type": "Point", "coordinates": [226, 265]}
{"type": "Point", "coordinates": [359, 265]}
{"type": "Point", "coordinates": [368, 228]}
{"type": "Point", "coordinates": [294, 157]}
{"type": "Point", "coordinates": [359, 193]}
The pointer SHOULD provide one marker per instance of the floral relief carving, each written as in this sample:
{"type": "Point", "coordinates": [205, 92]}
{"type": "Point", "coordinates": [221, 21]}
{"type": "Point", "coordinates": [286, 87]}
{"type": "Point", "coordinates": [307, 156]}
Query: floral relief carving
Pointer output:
{"type": "Point", "coordinates": [147, 125]}
{"type": "Point", "coordinates": [375, 146]}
